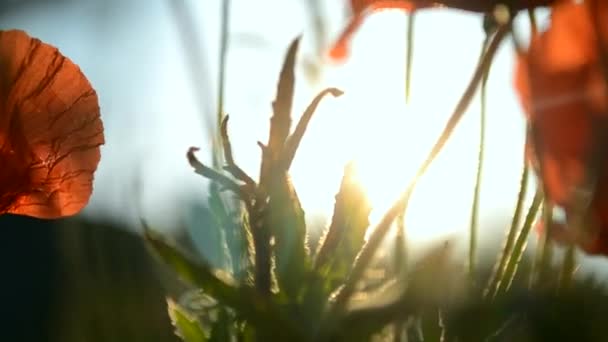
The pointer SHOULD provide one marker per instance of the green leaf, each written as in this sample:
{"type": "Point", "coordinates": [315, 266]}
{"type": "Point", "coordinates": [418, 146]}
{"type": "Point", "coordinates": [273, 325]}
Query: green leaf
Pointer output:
{"type": "Point", "coordinates": [280, 122]}
{"type": "Point", "coordinates": [286, 222]}
{"type": "Point", "coordinates": [221, 330]}
{"type": "Point", "coordinates": [285, 217]}
{"type": "Point", "coordinates": [520, 244]}
{"type": "Point", "coordinates": [474, 226]}
{"type": "Point", "coordinates": [294, 140]}
{"type": "Point", "coordinates": [234, 234]}
{"type": "Point", "coordinates": [507, 249]}
{"type": "Point", "coordinates": [215, 283]}
{"type": "Point", "coordinates": [260, 311]}
{"type": "Point", "coordinates": [346, 233]}
{"type": "Point", "coordinates": [186, 327]}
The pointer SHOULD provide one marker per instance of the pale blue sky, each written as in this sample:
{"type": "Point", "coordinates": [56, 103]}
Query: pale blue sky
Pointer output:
{"type": "Point", "coordinates": [132, 53]}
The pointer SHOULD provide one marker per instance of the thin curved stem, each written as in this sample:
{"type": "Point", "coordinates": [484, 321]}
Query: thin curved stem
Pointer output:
{"type": "Point", "coordinates": [480, 154]}
{"type": "Point", "coordinates": [382, 228]}
{"type": "Point", "coordinates": [520, 244]}
{"type": "Point", "coordinates": [222, 74]}
{"type": "Point", "coordinates": [409, 57]}
{"type": "Point", "coordinates": [507, 250]}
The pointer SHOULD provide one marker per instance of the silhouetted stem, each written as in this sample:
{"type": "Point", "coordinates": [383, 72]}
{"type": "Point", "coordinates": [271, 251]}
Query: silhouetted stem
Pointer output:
{"type": "Point", "coordinates": [507, 250]}
{"type": "Point", "coordinates": [409, 57]}
{"type": "Point", "coordinates": [475, 206]}
{"type": "Point", "coordinates": [533, 22]}
{"type": "Point", "coordinates": [520, 244]}
{"type": "Point", "coordinates": [568, 268]}
{"type": "Point", "coordinates": [368, 251]}
{"type": "Point", "coordinates": [192, 45]}
{"type": "Point", "coordinates": [544, 249]}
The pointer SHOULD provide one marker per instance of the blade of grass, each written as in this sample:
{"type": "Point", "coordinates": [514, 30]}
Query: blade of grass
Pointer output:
{"type": "Point", "coordinates": [400, 242]}
{"type": "Point", "coordinates": [221, 77]}
{"type": "Point", "coordinates": [409, 57]}
{"type": "Point", "coordinates": [505, 255]}
{"type": "Point", "coordinates": [400, 246]}
{"type": "Point", "coordinates": [520, 245]}
{"type": "Point", "coordinates": [476, 192]}
{"type": "Point", "coordinates": [568, 268]}
{"type": "Point", "coordinates": [400, 269]}
{"type": "Point", "coordinates": [544, 249]}
{"type": "Point", "coordinates": [197, 62]}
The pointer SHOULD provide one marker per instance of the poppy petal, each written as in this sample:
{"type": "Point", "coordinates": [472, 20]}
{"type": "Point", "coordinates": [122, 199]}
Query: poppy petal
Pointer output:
{"type": "Point", "coordinates": [50, 130]}
{"type": "Point", "coordinates": [361, 8]}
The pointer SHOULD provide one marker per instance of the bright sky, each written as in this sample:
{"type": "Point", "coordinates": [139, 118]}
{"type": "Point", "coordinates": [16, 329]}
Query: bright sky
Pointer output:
{"type": "Point", "coordinates": [132, 53]}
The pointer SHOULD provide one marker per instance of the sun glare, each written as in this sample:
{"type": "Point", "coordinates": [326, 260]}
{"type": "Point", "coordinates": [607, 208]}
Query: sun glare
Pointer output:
{"type": "Point", "coordinates": [372, 125]}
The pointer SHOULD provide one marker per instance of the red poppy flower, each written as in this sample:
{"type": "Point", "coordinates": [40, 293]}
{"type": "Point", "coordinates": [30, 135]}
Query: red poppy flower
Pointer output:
{"type": "Point", "coordinates": [361, 8]}
{"type": "Point", "coordinates": [561, 82]}
{"type": "Point", "coordinates": [50, 130]}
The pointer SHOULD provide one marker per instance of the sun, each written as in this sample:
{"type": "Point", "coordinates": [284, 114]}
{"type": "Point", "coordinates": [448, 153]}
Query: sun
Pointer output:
{"type": "Point", "coordinates": [388, 139]}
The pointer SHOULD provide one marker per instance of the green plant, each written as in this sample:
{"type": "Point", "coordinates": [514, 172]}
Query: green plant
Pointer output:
{"type": "Point", "coordinates": [279, 290]}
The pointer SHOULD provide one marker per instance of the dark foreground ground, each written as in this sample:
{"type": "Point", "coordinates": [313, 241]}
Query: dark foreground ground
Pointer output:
{"type": "Point", "coordinates": [70, 281]}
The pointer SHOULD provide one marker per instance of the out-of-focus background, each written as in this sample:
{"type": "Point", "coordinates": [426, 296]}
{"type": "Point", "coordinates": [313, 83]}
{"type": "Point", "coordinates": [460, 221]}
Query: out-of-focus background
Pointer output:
{"type": "Point", "coordinates": [154, 64]}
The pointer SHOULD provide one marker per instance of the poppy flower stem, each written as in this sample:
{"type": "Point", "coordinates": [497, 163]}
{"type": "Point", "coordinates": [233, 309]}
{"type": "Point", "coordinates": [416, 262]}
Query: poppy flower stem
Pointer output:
{"type": "Point", "coordinates": [376, 238]}
{"type": "Point", "coordinates": [409, 57]}
{"type": "Point", "coordinates": [476, 192]}
{"type": "Point", "coordinates": [400, 259]}
{"type": "Point", "coordinates": [520, 245]}
{"type": "Point", "coordinates": [507, 249]}
{"type": "Point", "coordinates": [224, 33]}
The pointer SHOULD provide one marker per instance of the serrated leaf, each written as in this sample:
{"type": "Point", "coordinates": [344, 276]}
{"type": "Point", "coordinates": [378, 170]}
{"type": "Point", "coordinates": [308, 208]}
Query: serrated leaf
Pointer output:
{"type": "Point", "coordinates": [287, 224]}
{"type": "Point", "coordinates": [186, 327]}
{"type": "Point", "coordinates": [280, 122]}
{"type": "Point", "coordinates": [346, 233]}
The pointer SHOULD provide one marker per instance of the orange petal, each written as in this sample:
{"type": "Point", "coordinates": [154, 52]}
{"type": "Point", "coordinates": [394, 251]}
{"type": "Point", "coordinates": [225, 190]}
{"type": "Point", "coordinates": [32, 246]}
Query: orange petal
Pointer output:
{"type": "Point", "coordinates": [361, 8]}
{"type": "Point", "coordinates": [340, 51]}
{"type": "Point", "coordinates": [50, 130]}
{"type": "Point", "coordinates": [569, 43]}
